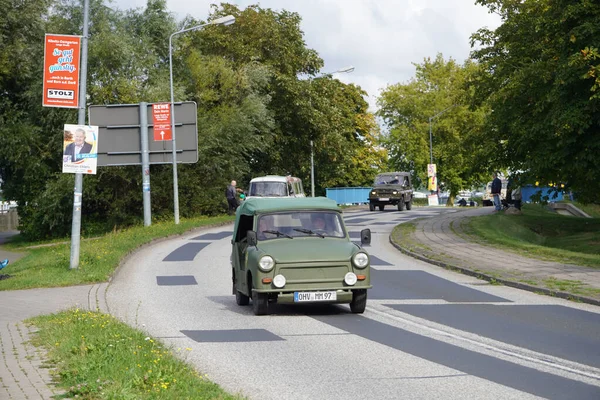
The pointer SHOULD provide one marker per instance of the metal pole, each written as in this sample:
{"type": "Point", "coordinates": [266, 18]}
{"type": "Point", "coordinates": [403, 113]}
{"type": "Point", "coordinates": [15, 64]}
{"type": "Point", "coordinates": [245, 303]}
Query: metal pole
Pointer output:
{"type": "Point", "coordinates": [175, 186]}
{"type": "Point", "coordinates": [312, 171]}
{"type": "Point", "coordinates": [312, 160]}
{"type": "Point", "coordinates": [78, 192]}
{"type": "Point", "coordinates": [430, 144]}
{"type": "Point", "coordinates": [145, 163]}
{"type": "Point", "coordinates": [227, 20]}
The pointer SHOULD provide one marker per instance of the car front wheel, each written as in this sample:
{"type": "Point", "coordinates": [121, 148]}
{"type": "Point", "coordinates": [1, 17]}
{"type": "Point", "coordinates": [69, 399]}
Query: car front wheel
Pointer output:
{"type": "Point", "coordinates": [260, 303]}
{"type": "Point", "coordinates": [241, 299]}
{"type": "Point", "coordinates": [401, 205]}
{"type": "Point", "coordinates": [359, 301]}
{"type": "Point", "coordinates": [371, 207]}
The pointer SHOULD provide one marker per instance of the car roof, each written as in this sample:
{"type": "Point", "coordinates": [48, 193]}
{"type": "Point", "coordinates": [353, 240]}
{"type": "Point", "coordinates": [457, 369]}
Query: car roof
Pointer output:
{"type": "Point", "coordinates": [394, 173]}
{"type": "Point", "coordinates": [275, 178]}
{"type": "Point", "coordinates": [258, 205]}
{"type": "Point", "coordinates": [270, 178]}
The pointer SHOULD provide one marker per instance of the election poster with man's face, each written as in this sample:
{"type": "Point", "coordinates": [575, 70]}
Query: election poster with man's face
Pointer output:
{"type": "Point", "coordinates": [80, 149]}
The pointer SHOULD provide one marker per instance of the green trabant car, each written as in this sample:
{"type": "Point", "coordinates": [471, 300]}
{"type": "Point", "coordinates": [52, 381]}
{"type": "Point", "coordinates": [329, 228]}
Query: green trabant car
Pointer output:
{"type": "Point", "coordinates": [297, 251]}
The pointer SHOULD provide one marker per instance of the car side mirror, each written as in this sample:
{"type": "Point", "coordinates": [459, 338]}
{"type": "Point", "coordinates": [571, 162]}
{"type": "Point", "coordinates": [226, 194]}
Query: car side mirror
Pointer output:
{"type": "Point", "coordinates": [251, 235]}
{"type": "Point", "coordinates": [365, 237]}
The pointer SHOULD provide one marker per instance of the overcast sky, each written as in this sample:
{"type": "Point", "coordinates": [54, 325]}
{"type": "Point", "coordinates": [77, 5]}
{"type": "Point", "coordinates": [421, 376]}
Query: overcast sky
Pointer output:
{"type": "Point", "coordinates": [380, 38]}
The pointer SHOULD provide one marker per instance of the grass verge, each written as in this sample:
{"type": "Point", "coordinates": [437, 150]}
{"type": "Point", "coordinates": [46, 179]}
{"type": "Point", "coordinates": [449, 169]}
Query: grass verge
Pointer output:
{"type": "Point", "coordinates": [95, 356]}
{"type": "Point", "coordinates": [48, 265]}
{"type": "Point", "coordinates": [403, 235]}
{"type": "Point", "coordinates": [543, 234]}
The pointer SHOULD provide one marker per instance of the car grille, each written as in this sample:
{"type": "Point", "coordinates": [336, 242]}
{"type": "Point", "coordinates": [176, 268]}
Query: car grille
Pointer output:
{"type": "Point", "coordinates": [383, 192]}
{"type": "Point", "coordinates": [314, 276]}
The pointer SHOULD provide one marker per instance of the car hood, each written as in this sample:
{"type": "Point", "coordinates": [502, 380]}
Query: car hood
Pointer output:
{"type": "Point", "coordinates": [309, 249]}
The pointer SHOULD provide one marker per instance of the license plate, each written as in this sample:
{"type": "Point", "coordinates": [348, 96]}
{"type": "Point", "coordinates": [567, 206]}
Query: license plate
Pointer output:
{"type": "Point", "coordinates": [383, 199]}
{"type": "Point", "coordinates": [315, 296]}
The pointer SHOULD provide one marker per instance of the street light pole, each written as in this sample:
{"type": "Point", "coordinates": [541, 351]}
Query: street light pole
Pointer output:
{"type": "Point", "coordinates": [312, 170]}
{"type": "Point", "coordinates": [430, 143]}
{"type": "Point", "coordinates": [78, 192]}
{"type": "Point", "coordinates": [228, 20]}
{"type": "Point", "coordinates": [347, 69]}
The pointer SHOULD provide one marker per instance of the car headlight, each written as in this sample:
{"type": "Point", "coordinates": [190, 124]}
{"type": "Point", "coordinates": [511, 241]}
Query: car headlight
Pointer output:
{"type": "Point", "coordinates": [373, 193]}
{"type": "Point", "coordinates": [360, 260]}
{"type": "Point", "coordinates": [266, 263]}
{"type": "Point", "coordinates": [279, 281]}
{"type": "Point", "coordinates": [394, 192]}
{"type": "Point", "coordinates": [350, 279]}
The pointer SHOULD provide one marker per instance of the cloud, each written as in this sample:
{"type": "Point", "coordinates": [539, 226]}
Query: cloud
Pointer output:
{"type": "Point", "coordinates": [380, 38]}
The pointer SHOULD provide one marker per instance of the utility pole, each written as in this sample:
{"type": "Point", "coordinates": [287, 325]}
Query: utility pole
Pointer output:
{"type": "Point", "coordinates": [78, 192]}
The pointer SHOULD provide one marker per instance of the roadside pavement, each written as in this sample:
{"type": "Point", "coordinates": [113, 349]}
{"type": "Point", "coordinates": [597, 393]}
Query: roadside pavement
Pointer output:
{"type": "Point", "coordinates": [442, 241]}
{"type": "Point", "coordinates": [8, 254]}
{"type": "Point", "coordinates": [439, 240]}
{"type": "Point", "coordinates": [23, 373]}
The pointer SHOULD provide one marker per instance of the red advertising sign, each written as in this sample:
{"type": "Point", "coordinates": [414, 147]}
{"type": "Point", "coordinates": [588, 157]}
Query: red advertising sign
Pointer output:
{"type": "Point", "coordinates": [61, 71]}
{"type": "Point", "coordinates": [161, 117]}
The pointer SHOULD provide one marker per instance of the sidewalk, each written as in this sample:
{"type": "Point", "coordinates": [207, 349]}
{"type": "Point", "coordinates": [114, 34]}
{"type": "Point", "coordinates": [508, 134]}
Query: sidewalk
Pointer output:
{"type": "Point", "coordinates": [441, 241]}
{"type": "Point", "coordinates": [22, 371]}
{"type": "Point", "coordinates": [7, 254]}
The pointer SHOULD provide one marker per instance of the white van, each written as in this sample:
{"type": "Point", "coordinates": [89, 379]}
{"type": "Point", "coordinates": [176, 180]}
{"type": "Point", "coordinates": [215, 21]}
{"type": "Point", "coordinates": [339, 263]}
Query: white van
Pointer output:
{"type": "Point", "coordinates": [276, 186]}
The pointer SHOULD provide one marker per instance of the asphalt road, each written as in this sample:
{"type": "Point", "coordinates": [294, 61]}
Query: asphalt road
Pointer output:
{"type": "Point", "coordinates": [427, 333]}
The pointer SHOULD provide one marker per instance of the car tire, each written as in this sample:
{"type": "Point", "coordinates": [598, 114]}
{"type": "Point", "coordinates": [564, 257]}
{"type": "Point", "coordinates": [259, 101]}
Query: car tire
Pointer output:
{"type": "Point", "coordinates": [241, 299]}
{"type": "Point", "coordinates": [359, 301]}
{"type": "Point", "coordinates": [381, 207]}
{"type": "Point", "coordinates": [371, 207]}
{"type": "Point", "coordinates": [401, 205]}
{"type": "Point", "coordinates": [409, 205]}
{"type": "Point", "coordinates": [260, 303]}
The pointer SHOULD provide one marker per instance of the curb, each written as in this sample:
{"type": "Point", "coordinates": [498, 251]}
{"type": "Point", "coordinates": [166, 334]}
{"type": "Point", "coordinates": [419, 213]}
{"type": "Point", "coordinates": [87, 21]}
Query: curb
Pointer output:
{"type": "Point", "coordinates": [489, 278]}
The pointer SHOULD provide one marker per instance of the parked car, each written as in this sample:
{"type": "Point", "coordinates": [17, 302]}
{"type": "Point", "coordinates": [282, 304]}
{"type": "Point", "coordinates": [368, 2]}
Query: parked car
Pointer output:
{"type": "Point", "coordinates": [275, 186]}
{"type": "Point", "coordinates": [297, 251]}
{"type": "Point", "coordinates": [391, 188]}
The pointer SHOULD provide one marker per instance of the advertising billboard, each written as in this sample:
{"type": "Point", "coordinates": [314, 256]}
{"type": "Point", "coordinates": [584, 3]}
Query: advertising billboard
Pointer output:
{"type": "Point", "coordinates": [61, 71]}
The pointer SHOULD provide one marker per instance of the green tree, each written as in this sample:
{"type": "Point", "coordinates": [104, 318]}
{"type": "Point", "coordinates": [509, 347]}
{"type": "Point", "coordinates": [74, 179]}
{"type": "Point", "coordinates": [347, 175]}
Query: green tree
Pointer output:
{"type": "Point", "coordinates": [256, 111]}
{"type": "Point", "coordinates": [442, 91]}
{"type": "Point", "coordinates": [120, 70]}
{"type": "Point", "coordinates": [304, 108]}
{"type": "Point", "coordinates": [541, 80]}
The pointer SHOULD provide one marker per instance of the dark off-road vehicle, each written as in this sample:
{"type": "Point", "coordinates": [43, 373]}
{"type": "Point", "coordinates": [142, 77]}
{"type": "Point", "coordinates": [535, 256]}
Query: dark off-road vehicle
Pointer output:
{"type": "Point", "coordinates": [392, 188]}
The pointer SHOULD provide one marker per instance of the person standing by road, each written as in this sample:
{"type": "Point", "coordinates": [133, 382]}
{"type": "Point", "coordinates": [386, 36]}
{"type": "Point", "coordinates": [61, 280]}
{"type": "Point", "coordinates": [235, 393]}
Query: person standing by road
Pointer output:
{"type": "Point", "coordinates": [231, 194]}
{"type": "Point", "coordinates": [496, 190]}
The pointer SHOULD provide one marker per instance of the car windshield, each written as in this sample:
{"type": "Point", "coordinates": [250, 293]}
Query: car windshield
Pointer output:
{"type": "Point", "coordinates": [387, 179]}
{"type": "Point", "coordinates": [297, 224]}
{"type": "Point", "coordinates": [268, 189]}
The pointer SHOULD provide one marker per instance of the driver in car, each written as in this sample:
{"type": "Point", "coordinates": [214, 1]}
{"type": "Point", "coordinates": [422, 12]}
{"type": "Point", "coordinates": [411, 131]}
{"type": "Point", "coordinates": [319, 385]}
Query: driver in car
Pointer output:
{"type": "Point", "coordinates": [319, 224]}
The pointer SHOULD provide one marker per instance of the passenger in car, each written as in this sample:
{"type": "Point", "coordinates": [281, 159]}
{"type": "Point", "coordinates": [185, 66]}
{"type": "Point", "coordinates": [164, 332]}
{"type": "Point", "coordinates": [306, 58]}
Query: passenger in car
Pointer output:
{"type": "Point", "coordinates": [264, 224]}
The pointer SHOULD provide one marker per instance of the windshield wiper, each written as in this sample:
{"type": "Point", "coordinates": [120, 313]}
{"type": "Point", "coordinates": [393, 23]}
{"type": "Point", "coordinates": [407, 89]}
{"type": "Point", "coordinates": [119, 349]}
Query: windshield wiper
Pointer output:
{"type": "Point", "coordinates": [309, 232]}
{"type": "Point", "coordinates": [278, 234]}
